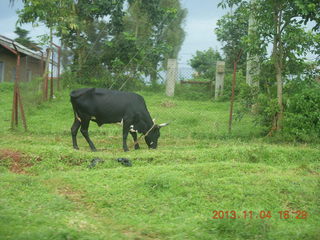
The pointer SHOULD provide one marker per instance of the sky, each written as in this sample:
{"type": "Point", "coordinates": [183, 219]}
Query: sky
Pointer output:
{"type": "Point", "coordinates": [199, 26]}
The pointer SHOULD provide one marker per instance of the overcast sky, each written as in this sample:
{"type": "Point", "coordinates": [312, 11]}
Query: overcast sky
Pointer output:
{"type": "Point", "coordinates": [199, 25]}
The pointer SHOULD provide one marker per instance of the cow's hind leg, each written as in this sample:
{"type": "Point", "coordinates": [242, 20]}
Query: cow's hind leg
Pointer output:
{"type": "Point", "coordinates": [74, 130]}
{"type": "Point", "coordinates": [135, 139]}
{"type": "Point", "coordinates": [84, 131]}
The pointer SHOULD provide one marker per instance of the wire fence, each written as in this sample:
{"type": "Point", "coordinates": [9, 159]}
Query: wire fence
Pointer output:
{"type": "Point", "coordinates": [36, 77]}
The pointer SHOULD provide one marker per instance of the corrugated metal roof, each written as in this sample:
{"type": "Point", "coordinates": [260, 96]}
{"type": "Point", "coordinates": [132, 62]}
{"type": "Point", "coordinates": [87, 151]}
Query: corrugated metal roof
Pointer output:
{"type": "Point", "coordinates": [22, 49]}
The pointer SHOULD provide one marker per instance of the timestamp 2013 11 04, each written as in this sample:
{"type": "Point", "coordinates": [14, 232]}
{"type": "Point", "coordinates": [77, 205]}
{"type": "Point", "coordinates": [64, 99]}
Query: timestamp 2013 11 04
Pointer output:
{"type": "Point", "coordinates": [263, 214]}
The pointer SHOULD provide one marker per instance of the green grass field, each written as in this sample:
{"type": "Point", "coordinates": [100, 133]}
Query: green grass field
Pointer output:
{"type": "Point", "coordinates": [48, 192]}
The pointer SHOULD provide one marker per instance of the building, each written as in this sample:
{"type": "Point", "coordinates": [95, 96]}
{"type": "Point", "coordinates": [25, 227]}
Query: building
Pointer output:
{"type": "Point", "coordinates": [31, 62]}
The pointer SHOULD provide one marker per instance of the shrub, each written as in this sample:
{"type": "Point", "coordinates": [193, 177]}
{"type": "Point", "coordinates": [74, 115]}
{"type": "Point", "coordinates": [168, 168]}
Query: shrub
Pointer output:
{"type": "Point", "coordinates": [302, 116]}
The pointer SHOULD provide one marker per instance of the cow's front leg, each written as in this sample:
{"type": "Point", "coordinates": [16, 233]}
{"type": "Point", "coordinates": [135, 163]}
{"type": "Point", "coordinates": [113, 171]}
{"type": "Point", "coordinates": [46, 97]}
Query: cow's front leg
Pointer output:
{"type": "Point", "coordinates": [74, 130]}
{"type": "Point", "coordinates": [125, 132]}
{"type": "Point", "coordinates": [135, 139]}
{"type": "Point", "coordinates": [85, 133]}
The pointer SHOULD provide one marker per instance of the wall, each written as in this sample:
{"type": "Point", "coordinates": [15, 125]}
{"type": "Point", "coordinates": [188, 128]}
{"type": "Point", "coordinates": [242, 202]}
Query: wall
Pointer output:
{"type": "Point", "coordinates": [9, 60]}
{"type": "Point", "coordinates": [27, 64]}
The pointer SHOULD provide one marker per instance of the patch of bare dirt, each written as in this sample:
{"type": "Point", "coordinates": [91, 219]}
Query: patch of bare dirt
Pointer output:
{"type": "Point", "coordinates": [168, 104]}
{"type": "Point", "coordinates": [17, 161]}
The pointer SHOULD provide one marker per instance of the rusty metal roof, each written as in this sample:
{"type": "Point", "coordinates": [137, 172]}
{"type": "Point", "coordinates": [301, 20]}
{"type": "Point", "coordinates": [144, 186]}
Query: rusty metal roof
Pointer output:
{"type": "Point", "coordinates": [14, 46]}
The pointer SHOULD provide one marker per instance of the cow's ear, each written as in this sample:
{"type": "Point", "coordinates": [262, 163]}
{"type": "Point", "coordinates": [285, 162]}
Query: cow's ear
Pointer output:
{"type": "Point", "coordinates": [163, 125]}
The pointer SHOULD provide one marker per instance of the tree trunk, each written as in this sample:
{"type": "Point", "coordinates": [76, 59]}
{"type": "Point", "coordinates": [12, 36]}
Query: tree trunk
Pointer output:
{"type": "Point", "coordinates": [154, 74]}
{"type": "Point", "coordinates": [277, 57]}
{"type": "Point", "coordinates": [279, 96]}
{"type": "Point", "coordinates": [234, 78]}
{"type": "Point", "coordinates": [232, 93]}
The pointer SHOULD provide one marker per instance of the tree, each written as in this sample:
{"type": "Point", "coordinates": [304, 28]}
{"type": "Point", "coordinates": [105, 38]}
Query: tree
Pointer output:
{"type": "Point", "coordinates": [204, 62]}
{"type": "Point", "coordinates": [157, 27]}
{"type": "Point", "coordinates": [282, 28]}
{"type": "Point", "coordinates": [231, 29]}
{"type": "Point", "coordinates": [72, 21]}
{"type": "Point", "coordinates": [24, 39]}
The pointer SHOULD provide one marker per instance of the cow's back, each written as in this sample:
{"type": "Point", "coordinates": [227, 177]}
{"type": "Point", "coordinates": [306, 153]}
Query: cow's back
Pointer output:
{"type": "Point", "coordinates": [107, 106]}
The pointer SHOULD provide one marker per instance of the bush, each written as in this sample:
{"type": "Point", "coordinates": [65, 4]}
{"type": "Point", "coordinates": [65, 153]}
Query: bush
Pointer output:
{"type": "Point", "coordinates": [302, 116]}
{"type": "Point", "coordinates": [240, 83]}
{"type": "Point", "coordinates": [193, 92]}
{"type": "Point", "coordinates": [301, 99]}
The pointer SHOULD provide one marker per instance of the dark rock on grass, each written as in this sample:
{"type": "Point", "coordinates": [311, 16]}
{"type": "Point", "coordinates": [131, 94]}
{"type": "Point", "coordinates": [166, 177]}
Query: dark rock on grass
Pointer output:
{"type": "Point", "coordinates": [125, 161]}
{"type": "Point", "coordinates": [94, 162]}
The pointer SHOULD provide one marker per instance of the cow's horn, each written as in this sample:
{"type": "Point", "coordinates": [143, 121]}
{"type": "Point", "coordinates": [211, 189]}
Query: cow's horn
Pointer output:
{"type": "Point", "coordinates": [154, 121]}
{"type": "Point", "coordinates": [163, 125]}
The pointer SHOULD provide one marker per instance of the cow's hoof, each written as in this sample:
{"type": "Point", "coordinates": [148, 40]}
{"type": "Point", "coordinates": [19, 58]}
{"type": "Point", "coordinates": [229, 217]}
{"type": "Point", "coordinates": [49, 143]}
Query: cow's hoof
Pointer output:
{"type": "Point", "coordinates": [94, 150]}
{"type": "Point", "coordinates": [126, 150]}
{"type": "Point", "coordinates": [136, 147]}
{"type": "Point", "coordinates": [76, 148]}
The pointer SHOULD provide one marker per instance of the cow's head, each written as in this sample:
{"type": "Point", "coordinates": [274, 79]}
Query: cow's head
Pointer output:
{"type": "Point", "coordinates": [153, 135]}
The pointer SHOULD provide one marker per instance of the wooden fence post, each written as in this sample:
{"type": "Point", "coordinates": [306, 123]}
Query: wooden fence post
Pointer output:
{"type": "Point", "coordinates": [16, 96]}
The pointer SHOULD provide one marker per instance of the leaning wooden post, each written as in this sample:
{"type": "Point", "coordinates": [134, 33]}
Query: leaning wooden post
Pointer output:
{"type": "Point", "coordinates": [219, 79]}
{"type": "Point", "coordinates": [172, 75]}
{"type": "Point", "coordinates": [16, 97]}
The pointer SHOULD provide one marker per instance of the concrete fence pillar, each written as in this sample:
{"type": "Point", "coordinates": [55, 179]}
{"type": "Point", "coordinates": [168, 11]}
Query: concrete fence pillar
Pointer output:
{"type": "Point", "coordinates": [219, 79]}
{"type": "Point", "coordinates": [172, 76]}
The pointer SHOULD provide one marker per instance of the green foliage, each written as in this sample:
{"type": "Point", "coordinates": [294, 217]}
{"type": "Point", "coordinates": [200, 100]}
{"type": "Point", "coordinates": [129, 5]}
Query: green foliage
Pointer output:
{"type": "Point", "coordinates": [24, 39]}
{"type": "Point", "coordinates": [302, 116]}
{"type": "Point", "coordinates": [81, 27]}
{"type": "Point", "coordinates": [204, 62]}
{"type": "Point", "coordinates": [301, 112]}
{"type": "Point", "coordinates": [240, 84]}
{"type": "Point", "coordinates": [157, 28]}
{"type": "Point", "coordinates": [231, 30]}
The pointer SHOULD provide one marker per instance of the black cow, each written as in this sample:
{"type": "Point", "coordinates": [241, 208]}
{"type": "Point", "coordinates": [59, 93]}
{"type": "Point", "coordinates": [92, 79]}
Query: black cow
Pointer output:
{"type": "Point", "coordinates": [109, 106]}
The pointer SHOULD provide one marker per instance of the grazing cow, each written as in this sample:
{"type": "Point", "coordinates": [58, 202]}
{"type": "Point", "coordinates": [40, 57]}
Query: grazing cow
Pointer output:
{"type": "Point", "coordinates": [109, 106]}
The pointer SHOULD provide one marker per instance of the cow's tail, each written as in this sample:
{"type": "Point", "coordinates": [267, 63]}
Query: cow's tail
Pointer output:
{"type": "Point", "coordinates": [76, 114]}
{"type": "Point", "coordinates": [74, 95]}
